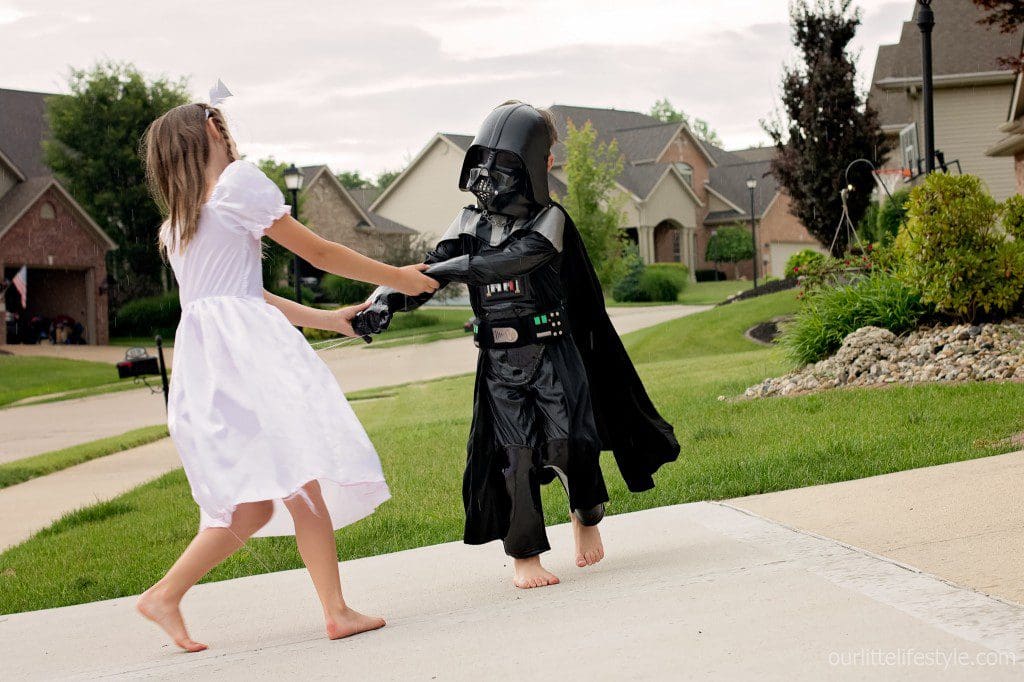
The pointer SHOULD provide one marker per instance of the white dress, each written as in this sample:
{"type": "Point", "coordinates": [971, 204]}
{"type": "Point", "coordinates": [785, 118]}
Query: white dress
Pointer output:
{"type": "Point", "coordinates": [254, 413]}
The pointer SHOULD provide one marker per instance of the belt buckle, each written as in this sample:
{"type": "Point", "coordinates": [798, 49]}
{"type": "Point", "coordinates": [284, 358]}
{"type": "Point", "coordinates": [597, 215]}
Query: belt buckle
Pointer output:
{"type": "Point", "coordinates": [504, 334]}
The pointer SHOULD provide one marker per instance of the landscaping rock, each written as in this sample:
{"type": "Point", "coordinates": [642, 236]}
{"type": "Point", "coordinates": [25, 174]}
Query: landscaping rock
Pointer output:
{"type": "Point", "coordinates": [872, 356]}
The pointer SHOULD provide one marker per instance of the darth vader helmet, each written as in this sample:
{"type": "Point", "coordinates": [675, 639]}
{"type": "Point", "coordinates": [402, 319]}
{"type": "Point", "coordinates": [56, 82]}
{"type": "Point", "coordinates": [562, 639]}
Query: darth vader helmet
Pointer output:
{"type": "Point", "coordinates": [507, 161]}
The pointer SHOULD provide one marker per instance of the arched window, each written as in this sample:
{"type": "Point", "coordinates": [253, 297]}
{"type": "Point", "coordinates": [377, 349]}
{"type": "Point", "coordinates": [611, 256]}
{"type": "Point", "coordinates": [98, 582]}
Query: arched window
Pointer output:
{"type": "Point", "coordinates": [686, 170]}
{"type": "Point", "coordinates": [46, 211]}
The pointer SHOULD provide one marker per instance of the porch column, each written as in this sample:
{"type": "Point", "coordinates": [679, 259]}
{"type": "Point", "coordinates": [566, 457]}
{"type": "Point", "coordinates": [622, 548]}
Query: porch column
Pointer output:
{"type": "Point", "coordinates": [645, 239]}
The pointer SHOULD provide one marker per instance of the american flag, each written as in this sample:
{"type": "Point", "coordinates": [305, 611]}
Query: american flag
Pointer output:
{"type": "Point", "coordinates": [20, 283]}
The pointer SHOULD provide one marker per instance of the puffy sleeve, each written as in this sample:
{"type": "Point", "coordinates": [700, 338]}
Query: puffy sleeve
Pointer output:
{"type": "Point", "coordinates": [249, 199]}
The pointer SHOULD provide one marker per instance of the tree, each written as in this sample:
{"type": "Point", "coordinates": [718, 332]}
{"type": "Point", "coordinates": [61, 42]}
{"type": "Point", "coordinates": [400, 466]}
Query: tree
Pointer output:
{"type": "Point", "coordinates": [1008, 17]}
{"type": "Point", "coordinates": [353, 180]}
{"type": "Point", "coordinates": [95, 133]}
{"type": "Point", "coordinates": [276, 258]}
{"type": "Point", "coordinates": [666, 113]}
{"type": "Point", "coordinates": [827, 122]}
{"type": "Point", "coordinates": [730, 244]}
{"type": "Point", "coordinates": [591, 170]}
{"type": "Point", "coordinates": [386, 177]}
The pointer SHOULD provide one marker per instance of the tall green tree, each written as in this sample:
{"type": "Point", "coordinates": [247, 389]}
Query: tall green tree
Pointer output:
{"type": "Point", "coordinates": [386, 177]}
{"type": "Point", "coordinates": [730, 244]}
{"type": "Point", "coordinates": [826, 123]}
{"type": "Point", "coordinates": [591, 169]}
{"type": "Point", "coordinates": [353, 180]}
{"type": "Point", "coordinates": [95, 134]}
{"type": "Point", "coordinates": [666, 113]}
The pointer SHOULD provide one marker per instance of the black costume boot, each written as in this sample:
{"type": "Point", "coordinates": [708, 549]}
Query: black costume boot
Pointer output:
{"type": "Point", "coordinates": [526, 535]}
{"type": "Point", "coordinates": [556, 458]}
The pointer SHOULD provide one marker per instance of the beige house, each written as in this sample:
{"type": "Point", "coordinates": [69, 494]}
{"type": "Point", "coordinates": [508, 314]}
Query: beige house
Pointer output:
{"type": "Point", "coordinates": [675, 189]}
{"type": "Point", "coordinates": [344, 215]}
{"type": "Point", "coordinates": [1012, 145]}
{"type": "Point", "coordinates": [972, 89]}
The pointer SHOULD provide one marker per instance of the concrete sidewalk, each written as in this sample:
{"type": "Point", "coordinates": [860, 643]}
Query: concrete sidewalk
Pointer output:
{"type": "Point", "coordinates": [962, 521]}
{"type": "Point", "coordinates": [34, 429]}
{"type": "Point", "coordinates": [29, 507]}
{"type": "Point", "coordinates": [698, 591]}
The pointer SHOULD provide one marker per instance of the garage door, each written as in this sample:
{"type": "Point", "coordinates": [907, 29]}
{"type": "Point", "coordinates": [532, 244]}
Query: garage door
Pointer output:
{"type": "Point", "coordinates": [779, 253]}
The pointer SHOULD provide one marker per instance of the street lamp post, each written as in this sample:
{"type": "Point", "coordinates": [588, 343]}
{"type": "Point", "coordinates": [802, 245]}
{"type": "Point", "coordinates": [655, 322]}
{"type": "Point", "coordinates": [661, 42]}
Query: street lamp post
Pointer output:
{"type": "Point", "coordinates": [293, 181]}
{"type": "Point", "coordinates": [926, 22]}
{"type": "Point", "coordinates": [752, 185]}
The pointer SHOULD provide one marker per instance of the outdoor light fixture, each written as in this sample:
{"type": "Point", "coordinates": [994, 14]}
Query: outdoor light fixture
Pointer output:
{"type": "Point", "coordinates": [293, 181]}
{"type": "Point", "coordinates": [926, 22]}
{"type": "Point", "coordinates": [752, 185]}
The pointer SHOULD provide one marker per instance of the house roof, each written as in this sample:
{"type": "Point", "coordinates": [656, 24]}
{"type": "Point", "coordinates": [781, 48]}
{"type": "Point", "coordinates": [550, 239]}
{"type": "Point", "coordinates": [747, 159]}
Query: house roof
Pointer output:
{"type": "Point", "coordinates": [24, 195]}
{"type": "Point", "coordinates": [963, 50]}
{"type": "Point", "coordinates": [23, 129]}
{"type": "Point", "coordinates": [360, 198]}
{"type": "Point", "coordinates": [730, 181]}
{"type": "Point", "coordinates": [766, 153]}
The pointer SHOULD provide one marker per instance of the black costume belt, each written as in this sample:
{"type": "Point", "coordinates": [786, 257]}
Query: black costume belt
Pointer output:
{"type": "Point", "coordinates": [514, 332]}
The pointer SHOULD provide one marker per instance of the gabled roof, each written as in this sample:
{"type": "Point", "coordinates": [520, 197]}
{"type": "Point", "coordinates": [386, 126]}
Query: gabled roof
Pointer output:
{"type": "Point", "coordinates": [730, 181]}
{"type": "Point", "coordinates": [24, 195]}
{"type": "Point", "coordinates": [460, 142]}
{"type": "Point", "coordinates": [963, 51]}
{"type": "Point", "coordinates": [23, 129]}
{"type": "Point", "coordinates": [373, 221]}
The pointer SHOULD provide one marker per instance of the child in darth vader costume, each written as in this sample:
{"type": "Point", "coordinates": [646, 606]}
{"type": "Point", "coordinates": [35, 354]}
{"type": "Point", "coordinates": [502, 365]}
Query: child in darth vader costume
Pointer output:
{"type": "Point", "coordinates": [554, 386]}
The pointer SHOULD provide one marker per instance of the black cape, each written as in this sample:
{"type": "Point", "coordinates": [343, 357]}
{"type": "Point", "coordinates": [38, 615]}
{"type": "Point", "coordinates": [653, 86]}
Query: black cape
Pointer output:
{"type": "Point", "coordinates": [628, 423]}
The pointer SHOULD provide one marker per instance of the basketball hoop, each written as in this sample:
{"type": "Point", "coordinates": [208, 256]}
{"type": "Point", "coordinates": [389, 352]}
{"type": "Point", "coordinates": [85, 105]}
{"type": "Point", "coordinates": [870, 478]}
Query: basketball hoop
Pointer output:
{"type": "Point", "coordinates": [891, 178]}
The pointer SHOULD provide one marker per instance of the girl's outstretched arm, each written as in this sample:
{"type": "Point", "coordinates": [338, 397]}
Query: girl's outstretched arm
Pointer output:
{"type": "Point", "coordinates": [324, 254]}
{"type": "Point", "coordinates": [339, 320]}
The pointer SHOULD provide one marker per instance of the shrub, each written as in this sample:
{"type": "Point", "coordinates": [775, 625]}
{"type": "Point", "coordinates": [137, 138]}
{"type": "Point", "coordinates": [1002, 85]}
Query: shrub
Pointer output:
{"type": "Point", "coordinates": [952, 252]}
{"type": "Point", "coordinates": [1013, 216]}
{"type": "Point", "coordinates": [800, 261]}
{"type": "Point", "coordinates": [677, 272]}
{"type": "Point", "coordinates": [891, 216]}
{"type": "Point", "coordinates": [341, 290]}
{"type": "Point", "coordinates": [659, 285]}
{"type": "Point", "coordinates": [709, 276]}
{"type": "Point", "coordinates": [628, 288]}
{"type": "Point", "coordinates": [828, 316]}
{"type": "Point", "coordinates": [308, 295]}
{"type": "Point", "coordinates": [868, 226]}
{"type": "Point", "coordinates": [148, 316]}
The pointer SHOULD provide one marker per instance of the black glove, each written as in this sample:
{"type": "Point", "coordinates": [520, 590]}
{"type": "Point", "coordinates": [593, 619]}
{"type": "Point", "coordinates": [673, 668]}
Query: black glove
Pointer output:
{"type": "Point", "coordinates": [374, 319]}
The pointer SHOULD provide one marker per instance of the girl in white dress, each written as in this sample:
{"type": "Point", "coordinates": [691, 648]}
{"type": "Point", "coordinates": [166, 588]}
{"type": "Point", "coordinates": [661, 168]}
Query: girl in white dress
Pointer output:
{"type": "Point", "coordinates": [269, 443]}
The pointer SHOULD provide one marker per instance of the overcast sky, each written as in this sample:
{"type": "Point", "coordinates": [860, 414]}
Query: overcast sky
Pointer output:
{"type": "Point", "coordinates": [363, 85]}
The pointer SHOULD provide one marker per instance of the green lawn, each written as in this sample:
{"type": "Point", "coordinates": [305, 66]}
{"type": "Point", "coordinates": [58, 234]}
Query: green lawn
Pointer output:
{"type": "Point", "coordinates": [21, 470]}
{"type": "Point", "coordinates": [710, 293]}
{"type": "Point", "coordinates": [25, 377]}
{"type": "Point", "coordinates": [730, 448]}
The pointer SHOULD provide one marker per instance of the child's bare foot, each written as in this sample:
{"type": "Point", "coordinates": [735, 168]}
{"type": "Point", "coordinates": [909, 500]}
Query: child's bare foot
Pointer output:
{"type": "Point", "coordinates": [529, 573]}
{"type": "Point", "coordinates": [152, 604]}
{"type": "Point", "coordinates": [589, 549]}
{"type": "Point", "coordinates": [344, 622]}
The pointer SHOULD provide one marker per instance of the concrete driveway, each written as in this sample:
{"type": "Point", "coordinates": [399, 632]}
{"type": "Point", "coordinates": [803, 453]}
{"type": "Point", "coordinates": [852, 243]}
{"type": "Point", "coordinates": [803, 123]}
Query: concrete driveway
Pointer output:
{"type": "Point", "coordinates": [693, 592]}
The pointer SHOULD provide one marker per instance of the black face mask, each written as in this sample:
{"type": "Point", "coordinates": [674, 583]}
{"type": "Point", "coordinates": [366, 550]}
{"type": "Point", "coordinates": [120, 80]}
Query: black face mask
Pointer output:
{"type": "Point", "coordinates": [497, 179]}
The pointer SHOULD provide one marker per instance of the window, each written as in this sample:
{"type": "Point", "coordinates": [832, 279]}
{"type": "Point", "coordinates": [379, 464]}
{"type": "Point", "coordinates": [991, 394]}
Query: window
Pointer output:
{"type": "Point", "coordinates": [46, 211]}
{"type": "Point", "coordinates": [676, 246]}
{"type": "Point", "coordinates": [686, 170]}
{"type": "Point", "coordinates": [911, 158]}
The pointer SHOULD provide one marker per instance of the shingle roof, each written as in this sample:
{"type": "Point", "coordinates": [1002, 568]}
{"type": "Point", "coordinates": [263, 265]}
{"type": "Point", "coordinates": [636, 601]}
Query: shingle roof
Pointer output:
{"type": "Point", "coordinates": [731, 182]}
{"type": "Point", "coordinates": [960, 46]}
{"type": "Point", "coordinates": [23, 129]}
{"type": "Point", "coordinates": [461, 141]}
{"type": "Point", "coordinates": [640, 180]}
{"type": "Point", "coordinates": [362, 198]}
{"type": "Point", "coordinates": [766, 153]}
{"type": "Point", "coordinates": [14, 203]}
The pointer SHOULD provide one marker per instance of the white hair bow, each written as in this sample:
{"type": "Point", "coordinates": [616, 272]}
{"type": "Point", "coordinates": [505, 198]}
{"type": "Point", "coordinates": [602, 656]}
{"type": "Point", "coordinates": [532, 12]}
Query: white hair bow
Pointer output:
{"type": "Point", "coordinates": [218, 93]}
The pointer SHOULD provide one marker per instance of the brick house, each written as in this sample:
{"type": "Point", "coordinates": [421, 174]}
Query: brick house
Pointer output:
{"type": "Point", "coordinates": [343, 215]}
{"type": "Point", "coordinates": [675, 189]}
{"type": "Point", "coordinates": [972, 89]}
{"type": "Point", "coordinates": [44, 228]}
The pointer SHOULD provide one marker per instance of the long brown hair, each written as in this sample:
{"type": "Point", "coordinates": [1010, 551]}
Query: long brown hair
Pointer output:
{"type": "Point", "coordinates": [176, 149]}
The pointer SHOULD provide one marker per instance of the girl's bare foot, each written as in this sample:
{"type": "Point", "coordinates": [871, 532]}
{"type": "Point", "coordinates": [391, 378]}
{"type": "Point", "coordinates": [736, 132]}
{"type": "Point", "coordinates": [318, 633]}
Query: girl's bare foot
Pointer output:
{"type": "Point", "coordinates": [344, 622]}
{"type": "Point", "coordinates": [589, 549]}
{"type": "Point", "coordinates": [155, 606]}
{"type": "Point", "coordinates": [529, 573]}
